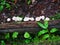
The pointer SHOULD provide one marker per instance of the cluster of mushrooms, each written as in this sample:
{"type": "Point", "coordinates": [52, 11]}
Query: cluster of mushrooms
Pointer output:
{"type": "Point", "coordinates": [17, 18]}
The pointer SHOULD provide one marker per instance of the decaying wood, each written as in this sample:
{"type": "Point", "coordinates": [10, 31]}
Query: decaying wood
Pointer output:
{"type": "Point", "coordinates": [25, 24]}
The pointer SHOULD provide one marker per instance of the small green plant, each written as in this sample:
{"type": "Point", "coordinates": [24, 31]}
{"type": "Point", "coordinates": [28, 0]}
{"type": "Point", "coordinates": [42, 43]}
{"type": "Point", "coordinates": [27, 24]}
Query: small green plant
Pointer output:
{"type": "Point", "coordinates": [36, 40]}
{"type": "Point", "coordinates": [27, 41]}
{"type": "Point", "coordinates": [45, 33]}
{"type": "Point", "coordinates": [2, 42]}
{"type": "Point", "coordinates": [56, 16]}
{"type": "Point", "coordinates": [28, 2]}
{"type": "Point", "coordinates": [1, 8]}
{"type": "Point", "coordinates": [14, 35]}
{"type": "Point", "coordinates": [7, 36]}
{"type": "Point", "coordinates": [26, 35]}
{"type": "Point", "coordinates": [44, 26]}
{"type": "Point", "coordinates": [4, 4]}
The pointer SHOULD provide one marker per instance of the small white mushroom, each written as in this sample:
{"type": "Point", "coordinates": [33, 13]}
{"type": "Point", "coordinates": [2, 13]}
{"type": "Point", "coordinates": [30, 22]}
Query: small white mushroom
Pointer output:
{"type": "Point", "coordinates": [8, 19]}
{"type": "Point", "coordinates": [47, 18]}
{"type": "Point", "coordinates": [42, 17]}
{"type": "Point", "coordinates": [31, 19]}
{"type": "Point", "coordinates": [13, 18]}
{"type": "Point", "coordinates": [26, 19]}
{"type": "Point", "coordinates": [17, 18]}
{"type": "Point", "coordinates": [20, 19]}
{"type": "Point", "coordinates": [39, 18]}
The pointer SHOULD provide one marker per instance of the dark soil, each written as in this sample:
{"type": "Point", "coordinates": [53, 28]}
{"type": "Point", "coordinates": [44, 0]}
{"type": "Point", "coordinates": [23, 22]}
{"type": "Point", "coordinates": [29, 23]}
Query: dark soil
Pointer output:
{"type": "Point", "coordinates": [37, 8]}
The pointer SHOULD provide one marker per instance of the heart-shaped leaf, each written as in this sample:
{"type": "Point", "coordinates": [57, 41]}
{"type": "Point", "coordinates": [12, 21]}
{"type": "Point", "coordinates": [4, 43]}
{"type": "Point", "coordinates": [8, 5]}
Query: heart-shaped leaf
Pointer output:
{"type": "Point", "coordinates": [26, 35]}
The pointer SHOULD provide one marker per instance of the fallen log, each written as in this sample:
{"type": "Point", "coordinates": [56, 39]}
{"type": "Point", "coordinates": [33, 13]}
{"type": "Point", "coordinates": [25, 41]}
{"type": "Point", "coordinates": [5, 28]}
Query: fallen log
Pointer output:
{"type": "Point", "coordinates": [26, 26]}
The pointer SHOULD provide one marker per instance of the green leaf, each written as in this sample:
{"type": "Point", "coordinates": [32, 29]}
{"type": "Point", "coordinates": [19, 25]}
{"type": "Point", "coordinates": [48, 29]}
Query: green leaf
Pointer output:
{"type": "Point", "coordinates": [12, 0]}
{"type": "Point", "coordinates": [14, 43]}
{"type": "Point", "coordinates": [15, 34]}
{"type": "Point", "coordinates": [3, 2]}
{"type": "Point", "coordinates": [7, 36]}
{"type": "Point", "coordinates": [36, 39]}
{"type": "Point", "coordinates": [8, 5]}
{"type": "Point", "coordinates": [1, 7]}
{"type": "Point", "coordinates": [27, 41]}
{"type": "Point", "coordinates": [42, 32]}
{"type": "Point", "coordinates": [46, 24]}
{"type": "Point", "coordinates": [45, 36]}
{"type": "Point", "coordinates": [2, 42]}
{"type": "Point", "coordinates": [29, 1]}
{"type": "Point", "coordinates": [56, 16]}
{"type": "Point", "coordinates": [53, 30]}
{"type": "Point", "coordinates": [26, 35]}
{"type": "Point", "coordinates": [41, 25]}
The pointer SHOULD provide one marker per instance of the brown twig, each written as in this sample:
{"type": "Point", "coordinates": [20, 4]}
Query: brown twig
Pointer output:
{"type": "Point", "coordinates": [15, 2]}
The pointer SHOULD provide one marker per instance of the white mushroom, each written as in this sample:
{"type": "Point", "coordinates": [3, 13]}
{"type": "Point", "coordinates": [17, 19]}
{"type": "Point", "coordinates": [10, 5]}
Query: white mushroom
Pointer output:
{"type": "Point", "coordinates": [17, 18]}
{"type": "Point", "coordinates": [47, 18]}
{"type": "Point", "coordinates": [42, 17]}
{"type": "Point", "coordinates": [26, 19]}
{"type": "Point", "coordinates": [39, 18]}
{"type": "Point", "coordinates": [31, 19]}
{"type": "Point", "coordinates": [8, 19]}
{"type": "Point", "coordinates": [13, 18]}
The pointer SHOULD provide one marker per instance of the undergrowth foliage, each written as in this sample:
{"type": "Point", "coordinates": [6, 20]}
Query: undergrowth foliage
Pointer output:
{"type": "Point", "coordinates": [4, 4]}
{"type": "Point", "coordinates": [55, 17]}
{"type": "Point", "coordinates": [41, 36]}
{"type": "Point", "coordinates": [45, 32]}
{"type": "Point", "coordinates": [16, 38]}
